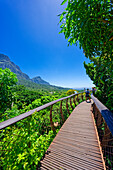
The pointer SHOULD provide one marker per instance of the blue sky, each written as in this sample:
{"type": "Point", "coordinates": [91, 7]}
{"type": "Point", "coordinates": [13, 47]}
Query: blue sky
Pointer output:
{"type": "Point", "coordinates": [29, 35]}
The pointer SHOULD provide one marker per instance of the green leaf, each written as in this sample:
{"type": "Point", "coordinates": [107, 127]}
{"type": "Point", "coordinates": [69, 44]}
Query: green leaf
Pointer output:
{"type": "Point", "coordinates": [63, 2]}
{"type": "Point", "coordinates": [61, 17]}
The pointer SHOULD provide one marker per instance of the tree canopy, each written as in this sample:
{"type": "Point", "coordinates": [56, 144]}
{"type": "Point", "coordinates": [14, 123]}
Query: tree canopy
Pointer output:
{"type": "Point", "coordinates": [7, 80]}
{"type": "Point", "coordinates": [90, 22]}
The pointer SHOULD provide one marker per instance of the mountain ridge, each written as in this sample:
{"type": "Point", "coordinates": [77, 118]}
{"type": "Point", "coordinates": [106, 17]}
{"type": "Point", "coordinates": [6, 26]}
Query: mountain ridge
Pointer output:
{"type": "Point", "coordinates": [5, 62]}
{"type": "Point", "coordinates": [38, 80]}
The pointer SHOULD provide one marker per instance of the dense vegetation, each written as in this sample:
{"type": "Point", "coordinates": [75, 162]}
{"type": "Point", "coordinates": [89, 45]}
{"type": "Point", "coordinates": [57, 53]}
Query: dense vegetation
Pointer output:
{"type": "Point", "coordinates": [24, 143]}
{"type": "Point", "coordinates": [90, 23]}
{"type": "Point", "coordinates": [40, 87]}
{"type": "Point", "coordinates": [16, 99]}
{"type": "Point", "coordinates": [7, 80]}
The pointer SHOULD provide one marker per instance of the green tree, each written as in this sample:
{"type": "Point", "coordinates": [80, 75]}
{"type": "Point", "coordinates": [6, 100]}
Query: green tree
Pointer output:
{"type": "Point", "coordinates": [90, 23]}
{"type": "Point", "coordinates": [7, 80]}
{"type": "Point", "coordinates": [23, 96]}
{"type": "Point", "coordinates": [71, 91]}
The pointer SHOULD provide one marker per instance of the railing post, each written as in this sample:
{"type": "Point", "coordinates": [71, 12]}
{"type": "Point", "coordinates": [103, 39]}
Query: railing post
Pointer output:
{"type": "Point", "coordinates": [74, 101]}
{"type": "Point", "coordinates": [71, 104]}
{"type": "Point", "coordinates": [67, 106]}
{"type": "Point", "coordinates": [82, 96]}
{"type": "Point", "coordinates": [61, 112]}
{"type": "Point", "coordinates": [51, 122]}
{"type": "Point", "coordinates": [77, 98]}
{"type": "Point", "coordinates": [105, 135]}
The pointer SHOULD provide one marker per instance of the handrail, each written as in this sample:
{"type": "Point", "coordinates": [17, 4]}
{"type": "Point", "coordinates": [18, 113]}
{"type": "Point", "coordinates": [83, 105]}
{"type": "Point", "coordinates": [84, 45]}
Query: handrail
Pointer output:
{"type": "Point", "coordinates": [27, 141]}
{"type": "Point", "coordinates": [104, 124]}
{"type": "Point", "coordinates": [106, 113]}
{"type": "Point", "coordinates": [26, 114]}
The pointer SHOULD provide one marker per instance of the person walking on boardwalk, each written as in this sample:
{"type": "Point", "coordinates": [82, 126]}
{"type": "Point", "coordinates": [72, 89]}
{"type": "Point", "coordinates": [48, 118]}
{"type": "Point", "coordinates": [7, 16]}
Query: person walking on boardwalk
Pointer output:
{"type": "Point", "coordinates": [93, 90]}
{"type": "Point", "coordinates": [88, 95]}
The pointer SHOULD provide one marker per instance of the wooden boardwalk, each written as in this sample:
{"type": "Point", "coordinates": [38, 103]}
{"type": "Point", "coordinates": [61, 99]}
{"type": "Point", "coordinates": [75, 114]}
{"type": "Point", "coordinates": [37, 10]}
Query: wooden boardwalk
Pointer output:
{"type": "Point", "coordinates": [76, 145]}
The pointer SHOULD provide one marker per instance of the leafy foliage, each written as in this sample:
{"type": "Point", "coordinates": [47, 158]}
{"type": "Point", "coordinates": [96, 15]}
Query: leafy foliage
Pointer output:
{"type": "Point", "coordinates": [90, 23]}
{"type": "Point", "coordinates": [23, 146]}
{"type": "Point", "coordinates": [71, 91]}
{"type": "Point", "coordinates": [24, 97]}
{"type": "Point", "coordinates": [24, 143]}
{"type": "Point", "coordinates": [7, 80]}
{"type": "Point", "coordinates": [102, 76]}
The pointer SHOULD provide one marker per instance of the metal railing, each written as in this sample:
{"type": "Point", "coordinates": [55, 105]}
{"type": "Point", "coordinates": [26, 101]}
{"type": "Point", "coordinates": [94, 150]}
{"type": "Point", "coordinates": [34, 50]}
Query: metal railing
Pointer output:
{"type": "Point", "coordinates": [25, 115]}
{"type": "Point", "coordinates": [104, 122]}
{"type": "Point", "coordinates": [24, 139]}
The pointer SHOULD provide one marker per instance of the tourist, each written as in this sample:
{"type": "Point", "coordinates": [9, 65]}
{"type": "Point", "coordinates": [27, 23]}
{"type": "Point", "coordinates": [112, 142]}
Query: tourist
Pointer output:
{"type": "Point", "coordinates": [88, 95]}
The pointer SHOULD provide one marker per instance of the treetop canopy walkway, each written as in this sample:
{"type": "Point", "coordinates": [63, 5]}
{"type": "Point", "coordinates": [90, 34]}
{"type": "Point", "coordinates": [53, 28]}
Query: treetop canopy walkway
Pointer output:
{"type": "Point", "coordinates": [76, 145]}
{"type": "Point", "coordinates": [85, 141]}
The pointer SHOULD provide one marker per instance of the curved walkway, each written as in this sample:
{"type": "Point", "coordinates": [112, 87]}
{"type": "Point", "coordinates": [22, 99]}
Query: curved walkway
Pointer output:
{"type": "Point", "coordinates": [76, 145]}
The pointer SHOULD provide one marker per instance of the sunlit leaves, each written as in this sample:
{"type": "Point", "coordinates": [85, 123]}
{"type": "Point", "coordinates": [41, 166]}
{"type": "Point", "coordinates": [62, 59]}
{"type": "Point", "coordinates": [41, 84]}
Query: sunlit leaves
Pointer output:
{"type": "Point", "coordinates": [91, 23]}
{"type": "Point", "coordinates": [23, 144]}
{"type": "Point", "coordinates": [85, 18]}
{"type": "Point", "coordinates": [64, 1]}
{"type": "Point", "coordinates": [7, 80]}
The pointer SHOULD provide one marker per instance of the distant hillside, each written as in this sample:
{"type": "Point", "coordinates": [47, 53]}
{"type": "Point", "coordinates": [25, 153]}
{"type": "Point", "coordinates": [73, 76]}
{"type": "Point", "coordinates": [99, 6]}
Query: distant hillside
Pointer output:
{"type": "Point", "coordinates": [6, 63]}
{"type": "Point", "coordinates": [23, 79]}
{"type": "Point", "coordinates": [31, 85]}
{"type": "Point", "coordinates": [39, 80]}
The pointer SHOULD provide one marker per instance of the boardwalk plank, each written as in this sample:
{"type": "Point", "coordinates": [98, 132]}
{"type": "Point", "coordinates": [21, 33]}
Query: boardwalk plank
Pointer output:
{"type": "Point", "coordinates": [76, 145]}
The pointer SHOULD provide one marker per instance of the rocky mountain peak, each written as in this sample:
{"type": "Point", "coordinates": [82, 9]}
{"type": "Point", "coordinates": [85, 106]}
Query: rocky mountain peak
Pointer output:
{"type": "Point", "coordinates": [4, 58]}
{"type": "Point", "coordinates": [6, 63]}
{"type": "Point", "coordinates": [39, 80]}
